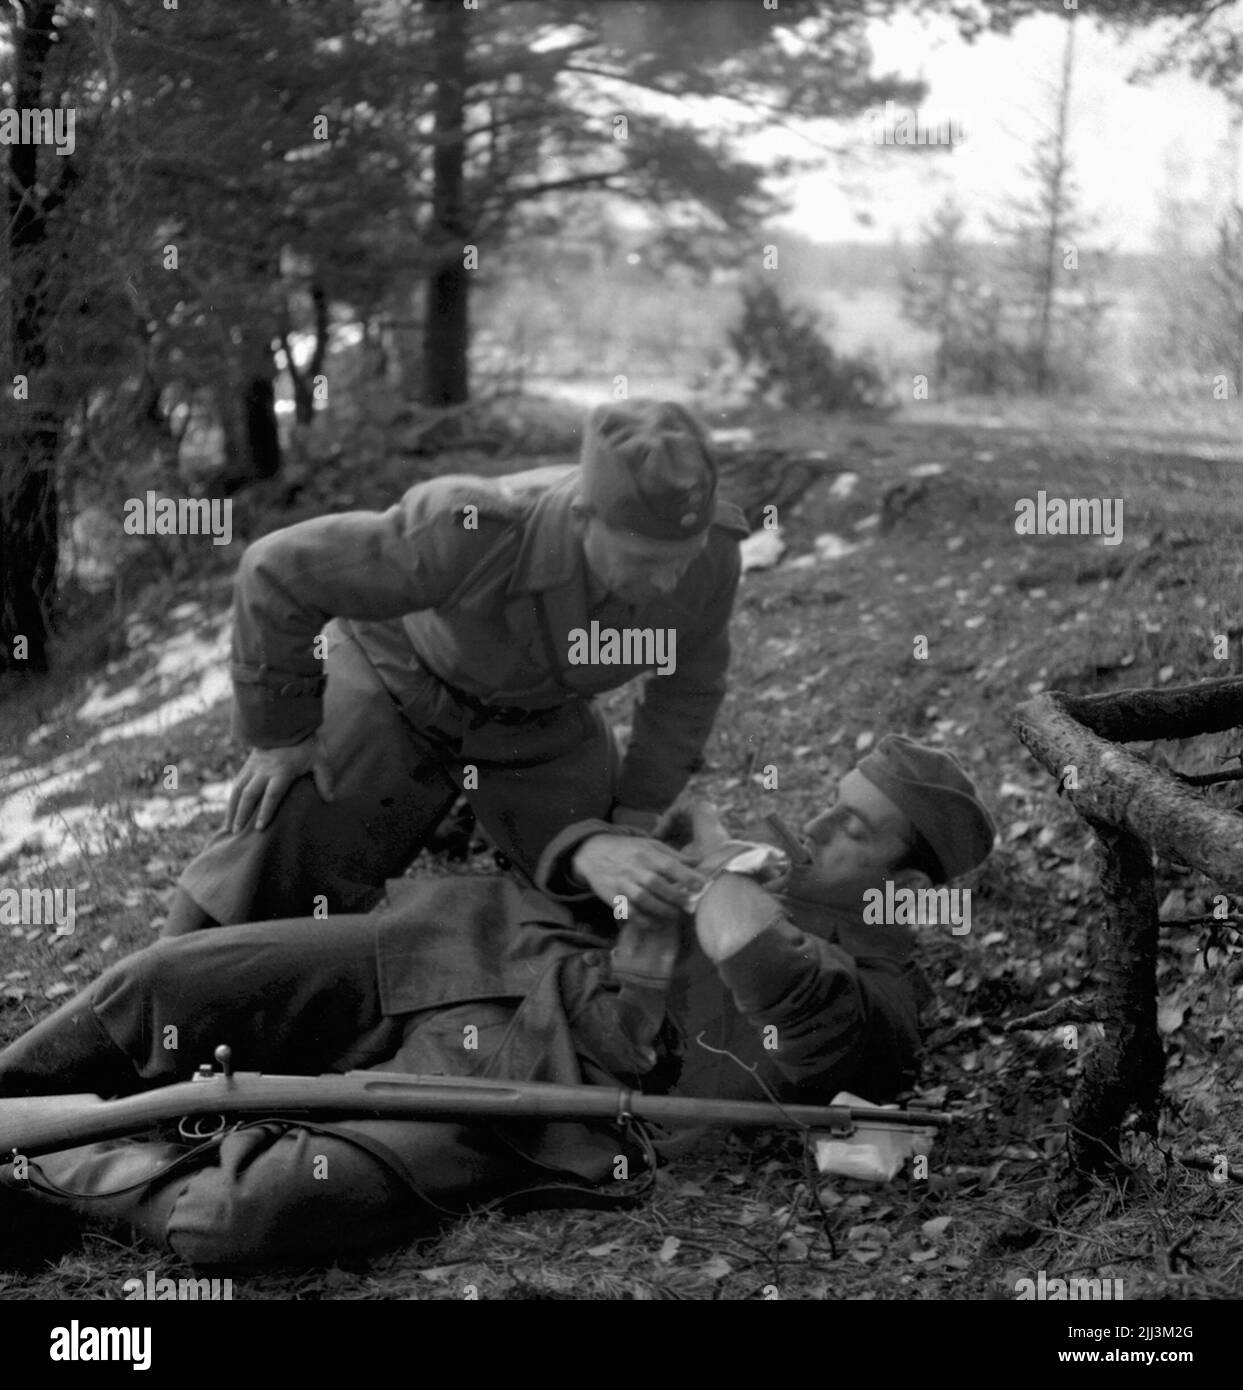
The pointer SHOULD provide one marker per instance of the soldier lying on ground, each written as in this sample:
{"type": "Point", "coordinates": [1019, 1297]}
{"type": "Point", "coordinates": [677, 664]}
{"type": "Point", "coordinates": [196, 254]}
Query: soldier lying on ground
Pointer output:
{"type": "Point", "coordinates": [471, 625]}
{"type": "Point", "coordinates": [480, 976]}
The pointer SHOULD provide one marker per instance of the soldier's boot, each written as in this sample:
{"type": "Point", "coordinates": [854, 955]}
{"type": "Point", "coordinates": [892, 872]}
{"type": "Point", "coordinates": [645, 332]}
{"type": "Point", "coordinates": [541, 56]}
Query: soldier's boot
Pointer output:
{"type": "Point", "coordinates": [68, 1051]}
{"type": "Point", "coordinates": [45, 1201]}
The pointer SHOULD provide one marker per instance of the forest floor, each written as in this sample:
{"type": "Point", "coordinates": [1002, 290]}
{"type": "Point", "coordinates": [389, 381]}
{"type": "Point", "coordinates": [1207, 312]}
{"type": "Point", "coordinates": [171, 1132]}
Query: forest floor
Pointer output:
{"type": "Point", "coordinates": [824, 663]}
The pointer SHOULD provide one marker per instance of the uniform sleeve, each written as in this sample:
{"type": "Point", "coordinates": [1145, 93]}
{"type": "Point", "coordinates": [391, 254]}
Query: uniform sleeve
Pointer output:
{"type": "Point", "coordinates": [365, 565]}
{"type": "Point", "coordinates": [554, 874]}
{"type": "Point", "coordinates": [840, 1022]}
{"type": "Point", "coordinates": [674, 714]}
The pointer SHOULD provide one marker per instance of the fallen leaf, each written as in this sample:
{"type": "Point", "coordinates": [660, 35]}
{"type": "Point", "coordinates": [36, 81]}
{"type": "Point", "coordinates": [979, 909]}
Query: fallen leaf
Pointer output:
{"type": "Point", "coordinates": [609, 1247]}
{"type": "Point", "coordinates": [793, 1246]}
{"type": "Point", "coordinates": [920, 1257]}
{"type": "Point", "coordinates": [55, 991]}
{"type": "Point", "coordinates": [936, 1227]}
{"type": "Point", "coordinates": [669, 1250]}
{"type": "Point", "coordinates": [1169, 1017]}
{"type": "Point", "coordinates": [717, 1267]}
{"type": "Point", "coordinates": [867, 1234]}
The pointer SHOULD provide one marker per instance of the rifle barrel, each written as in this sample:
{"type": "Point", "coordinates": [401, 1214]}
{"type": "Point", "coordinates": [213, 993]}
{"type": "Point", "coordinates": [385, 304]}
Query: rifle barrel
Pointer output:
{"type": "Point", "coordinates": [43, 1124]}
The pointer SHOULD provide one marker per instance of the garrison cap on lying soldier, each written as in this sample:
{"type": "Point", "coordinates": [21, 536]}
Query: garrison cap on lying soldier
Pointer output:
{"type": "Point", "coordinates": [450, 666]}
{"type": "Point", "coordinates": [550, 996]}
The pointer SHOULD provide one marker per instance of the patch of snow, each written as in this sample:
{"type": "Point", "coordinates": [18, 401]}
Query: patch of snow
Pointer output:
{"type": "Point", "coordinates": [99, 705]}
{"type": "Point", "coordinates": [926, 470]}
{"type": "Point", "coordinates": [843, 485]}
{"type": "Point", "coordinates": [727, 438]}
{"type": "Point", "coordinates": [830, 546]}
{"type": "Point", "coordinates": [170, 811]}
{"type": "Point", "coordinates": [20, 795]}
{"type": "Point", "coordinates": [213, 686]}
{"type": "Point", "coordinates": [190, 674]}
{"type": "Point", "coordinates": [762, 549]}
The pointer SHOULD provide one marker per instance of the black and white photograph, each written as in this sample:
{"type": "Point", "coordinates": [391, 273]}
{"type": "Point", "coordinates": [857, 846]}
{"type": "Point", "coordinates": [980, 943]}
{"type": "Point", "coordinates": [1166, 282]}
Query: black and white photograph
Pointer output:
{"type": "Point", "coordinates": [621, 669]}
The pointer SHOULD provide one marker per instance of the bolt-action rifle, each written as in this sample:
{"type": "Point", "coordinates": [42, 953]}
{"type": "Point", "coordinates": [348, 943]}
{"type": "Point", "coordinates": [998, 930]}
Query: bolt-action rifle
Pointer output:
{"type": "Point", "coordinates": [42, 1124]}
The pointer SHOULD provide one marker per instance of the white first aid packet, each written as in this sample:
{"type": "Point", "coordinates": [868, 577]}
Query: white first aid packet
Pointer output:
{"type": "Point", "coordinates": [873, 1153]}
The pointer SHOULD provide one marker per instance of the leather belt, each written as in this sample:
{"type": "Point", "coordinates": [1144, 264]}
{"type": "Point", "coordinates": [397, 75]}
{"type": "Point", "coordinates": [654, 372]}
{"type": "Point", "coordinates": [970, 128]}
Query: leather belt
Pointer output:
{"type": "Point", "coordinates": [495, 714]}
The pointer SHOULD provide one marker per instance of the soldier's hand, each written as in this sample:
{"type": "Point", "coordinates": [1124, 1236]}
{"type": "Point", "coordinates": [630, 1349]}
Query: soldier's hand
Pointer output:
{"type": "Point", "coordinates": [267, 775]}
{"type": "Point", "coordinates": [654, 879]}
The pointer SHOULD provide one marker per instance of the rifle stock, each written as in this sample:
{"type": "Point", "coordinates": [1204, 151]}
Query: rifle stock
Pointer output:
{"type": "Point", "coordinates": [42, 1124]}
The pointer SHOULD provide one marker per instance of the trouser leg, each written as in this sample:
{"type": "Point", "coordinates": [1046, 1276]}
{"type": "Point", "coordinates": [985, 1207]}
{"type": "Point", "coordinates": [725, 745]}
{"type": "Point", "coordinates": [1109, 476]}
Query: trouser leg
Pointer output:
{"type": "Point", "coordinates": [391, 790]}
{"type": "Point", "coordinates": [266, 1194]}
{"type": "Point", "coordinates": [292, 1195]}
{"type": "Point", "coordinates": [298, 997]}
{"type": "Point", "coordinates": [272, 1193]}
{"type": "Point", "coordinates": [68, 1051]}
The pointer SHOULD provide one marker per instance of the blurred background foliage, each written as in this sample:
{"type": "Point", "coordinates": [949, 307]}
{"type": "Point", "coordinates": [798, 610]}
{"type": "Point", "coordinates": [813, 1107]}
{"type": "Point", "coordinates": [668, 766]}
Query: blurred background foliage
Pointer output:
{"type": "Point", "coordinates": [379, 210]}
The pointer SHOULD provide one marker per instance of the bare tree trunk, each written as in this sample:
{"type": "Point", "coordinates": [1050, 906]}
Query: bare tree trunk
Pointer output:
{"type": "Point", "coordinates": [1056, 194]}
{"type": "Point", "coordinates": [252, 440]}
{"type": "Point", "coordinates": [1124, 1071]}
{"type": "Point", "coordinates": [30, 433]}
{"type": "Point", "coordinates": [263, 444]}
{"type": "Point", "coordinates": [303, 382]}
{"type": "Point", "coordinates": [446, 331]}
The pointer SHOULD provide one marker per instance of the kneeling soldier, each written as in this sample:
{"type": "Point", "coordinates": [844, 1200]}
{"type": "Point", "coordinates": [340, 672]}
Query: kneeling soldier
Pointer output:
{"type": "Point", "coordinates": [468, 628]}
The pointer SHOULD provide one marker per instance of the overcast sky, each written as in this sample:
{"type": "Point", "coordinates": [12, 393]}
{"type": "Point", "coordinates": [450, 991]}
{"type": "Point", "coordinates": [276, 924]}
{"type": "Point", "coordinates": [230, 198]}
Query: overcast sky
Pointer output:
{"type": "Point", "coordinates": [1126, 138]}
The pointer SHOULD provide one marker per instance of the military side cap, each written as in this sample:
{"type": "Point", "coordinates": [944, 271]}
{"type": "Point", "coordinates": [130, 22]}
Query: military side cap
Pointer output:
{"type": "Point", "coordinates": [647, 467]}
{"type": "Point", "coordinates": [929, 786]}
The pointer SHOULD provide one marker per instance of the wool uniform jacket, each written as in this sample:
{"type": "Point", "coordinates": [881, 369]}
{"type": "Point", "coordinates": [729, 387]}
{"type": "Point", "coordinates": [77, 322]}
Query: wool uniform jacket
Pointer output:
{"type": "Point", "coordinates": [479, 582]}
{"type": "Point", "coordinates": [819, 1002]}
